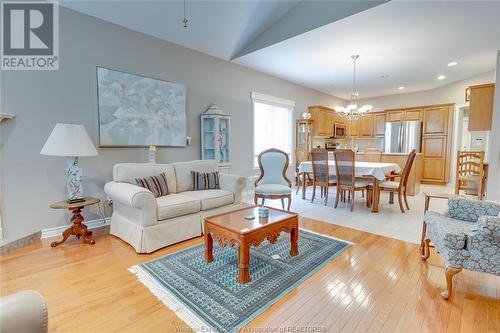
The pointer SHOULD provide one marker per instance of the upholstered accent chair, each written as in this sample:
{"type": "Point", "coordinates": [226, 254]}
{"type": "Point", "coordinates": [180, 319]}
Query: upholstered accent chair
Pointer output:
{"type": "Point", "coordinates": [467, 235]}
{"type": "Point", "coordinates": [272, 182]}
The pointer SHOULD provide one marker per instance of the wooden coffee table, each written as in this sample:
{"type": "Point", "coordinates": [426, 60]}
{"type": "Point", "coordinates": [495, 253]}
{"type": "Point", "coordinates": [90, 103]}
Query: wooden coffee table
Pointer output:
{"type": "Point", "coordinates": [232, 228]}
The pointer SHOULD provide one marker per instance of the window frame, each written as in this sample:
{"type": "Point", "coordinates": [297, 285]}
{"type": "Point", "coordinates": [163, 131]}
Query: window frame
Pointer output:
{"type": "Point", "coordinates": [273, 101]}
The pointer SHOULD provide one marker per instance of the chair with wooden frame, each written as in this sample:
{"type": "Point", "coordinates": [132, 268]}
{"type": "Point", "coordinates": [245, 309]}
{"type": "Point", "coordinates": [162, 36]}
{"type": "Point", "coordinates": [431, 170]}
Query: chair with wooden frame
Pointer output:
{"type": "Point", "coordinates": [373, 155]}
{"type": "Point", "coordinates": [392, 186]}
{"type": "Point", "coordinates": [273, 182]}
{"type": "Point", "coordinates": [470, 169]}
{"type": "Point", "coordinates": [301, 156]}
{"type": "Point", "coordinates": [320, 175]}
{"type": "Point", "coordinates": [346, 176]}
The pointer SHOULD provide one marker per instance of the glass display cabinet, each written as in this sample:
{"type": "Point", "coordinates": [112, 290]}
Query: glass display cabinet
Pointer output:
{"type": "Point", "coordinates": [215, 137]}
{"type": "Point", "coordinates": [303, 134]}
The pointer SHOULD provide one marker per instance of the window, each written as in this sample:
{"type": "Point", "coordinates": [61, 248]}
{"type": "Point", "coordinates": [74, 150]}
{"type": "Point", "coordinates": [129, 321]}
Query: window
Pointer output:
{"type": "Point", "coordinates": [272, 124]}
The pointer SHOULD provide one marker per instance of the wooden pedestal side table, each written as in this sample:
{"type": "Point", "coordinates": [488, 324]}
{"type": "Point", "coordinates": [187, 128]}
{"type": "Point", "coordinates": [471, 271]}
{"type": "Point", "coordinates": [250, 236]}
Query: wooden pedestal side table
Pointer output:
{"type": "Point", "coordinates": [232, 228]}
{"type": "Point", "coordinates": [78, 228]}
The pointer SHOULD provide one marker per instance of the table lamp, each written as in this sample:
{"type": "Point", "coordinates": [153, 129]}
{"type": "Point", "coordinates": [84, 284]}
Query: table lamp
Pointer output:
{"type": "Point", "coordinates": [70, 141]}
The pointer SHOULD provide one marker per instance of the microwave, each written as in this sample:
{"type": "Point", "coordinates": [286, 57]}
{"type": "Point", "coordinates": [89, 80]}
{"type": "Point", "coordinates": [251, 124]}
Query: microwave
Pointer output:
{"type": "Point", "coordinates": [339, 131]}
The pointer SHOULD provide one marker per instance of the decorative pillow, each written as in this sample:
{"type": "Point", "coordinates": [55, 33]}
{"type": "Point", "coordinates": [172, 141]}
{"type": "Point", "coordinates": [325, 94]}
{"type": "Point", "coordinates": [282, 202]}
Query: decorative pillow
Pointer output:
{"type": "Point", "coordinates": [205, 181]}
{"type": "Point", "coordinates": [156, 184]}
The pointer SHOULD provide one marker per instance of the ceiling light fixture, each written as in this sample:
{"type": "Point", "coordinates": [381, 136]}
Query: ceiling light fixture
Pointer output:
{"type": "Point", "coordinates": [185, 20]}
{"type": "Point", "coordinates": [352, 111]}
{"type": "Point", "coordinates": [441, 77]}
{"type": "Point", "coordinates": [401, 88]}
{"type": "Point", "coordinates": [453, 63]}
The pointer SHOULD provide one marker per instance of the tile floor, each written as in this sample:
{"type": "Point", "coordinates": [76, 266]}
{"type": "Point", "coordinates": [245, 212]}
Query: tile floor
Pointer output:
{"type": "Point", "coordinates": [389, 222]}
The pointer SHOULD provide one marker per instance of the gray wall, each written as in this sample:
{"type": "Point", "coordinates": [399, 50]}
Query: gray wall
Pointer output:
{"type": "Point", "coordinates": [30, 181]}
{"type": "Point", "coordinates": [494, 144]}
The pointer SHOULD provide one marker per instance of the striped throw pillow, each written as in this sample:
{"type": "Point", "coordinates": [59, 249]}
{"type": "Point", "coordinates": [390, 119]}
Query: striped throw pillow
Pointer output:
{"type": "Point", "coordinates": [156, 184]}
{"type": "Point", "coordinates": [205, 181]}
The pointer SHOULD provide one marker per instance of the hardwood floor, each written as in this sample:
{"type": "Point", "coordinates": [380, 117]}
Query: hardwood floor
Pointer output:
{"type": "Point", "coordinates": [379, 284]}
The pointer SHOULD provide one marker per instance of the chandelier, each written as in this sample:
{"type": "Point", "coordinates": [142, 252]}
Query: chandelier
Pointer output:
{"type": "Point", "coordinates": [352, 111]}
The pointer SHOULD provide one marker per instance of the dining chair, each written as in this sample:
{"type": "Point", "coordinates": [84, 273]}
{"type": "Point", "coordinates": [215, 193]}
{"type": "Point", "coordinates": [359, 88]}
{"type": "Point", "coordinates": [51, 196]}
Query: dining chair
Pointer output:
{"type": "Point", "coordinates": [373, 155]}
{"type": "Point", "coordinates": [346, 176]}
{"type": "Point", "coordinates": [321, 175]}
{"type": "Point", "coordinates": [470, 169]}
{"type": "Point", "coordinates": [272, 182]}
{"type": "Point", "coordinates": [301, 156]}
{"type": "Point", "coordinates": [393, 186]}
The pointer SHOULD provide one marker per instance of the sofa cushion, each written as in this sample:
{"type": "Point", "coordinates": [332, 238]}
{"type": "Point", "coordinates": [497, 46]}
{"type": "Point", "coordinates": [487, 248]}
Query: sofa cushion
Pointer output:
{"type": "Point", "coordinates": [212, 198]}
{"type": "Point", "coordinates": [183, 172]}
{"type": "Point", "coordinates": [175, 205]}
{"type": "Point", "coordinates": [273, 189]}
{"type": "Point", "coordinates": [128, 172]}
{"type": "Point", "coordinates": [156, 184]}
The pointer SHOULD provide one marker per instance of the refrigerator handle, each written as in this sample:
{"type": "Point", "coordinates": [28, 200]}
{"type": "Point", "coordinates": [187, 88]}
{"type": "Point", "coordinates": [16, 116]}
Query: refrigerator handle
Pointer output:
{"type": "Point", "coordinates": [400, 138]}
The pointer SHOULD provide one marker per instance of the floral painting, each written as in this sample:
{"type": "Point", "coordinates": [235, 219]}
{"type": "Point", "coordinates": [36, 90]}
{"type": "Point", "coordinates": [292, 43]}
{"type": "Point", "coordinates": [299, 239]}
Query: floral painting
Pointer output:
{"type": "Point", "coordinates": [138, 111]}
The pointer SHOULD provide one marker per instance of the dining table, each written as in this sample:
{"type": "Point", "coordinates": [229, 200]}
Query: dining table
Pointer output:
{"type": "Point", "coordinates": [372, 170]}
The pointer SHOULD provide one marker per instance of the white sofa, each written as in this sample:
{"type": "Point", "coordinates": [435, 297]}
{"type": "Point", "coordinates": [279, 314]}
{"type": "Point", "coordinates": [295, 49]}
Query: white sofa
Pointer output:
{"type": "Point", "coordinates": [148, 223]}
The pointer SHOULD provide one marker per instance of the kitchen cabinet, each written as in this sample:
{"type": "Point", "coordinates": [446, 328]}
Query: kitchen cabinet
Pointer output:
{"type": "Point", "coordinates": [324, 119]}
{"type": "Point", "coordinates": [353, 128]}
{"type": "Point", "coordinates": [366, 126]}
{"type": "Point", "coordinates": [481, 107]}
{"type": "Point", "coordinates": [379, 124]}
{"type": "Point", "coordinates": [395, 115]}
{"type": "Point", "coordinates": [330, 121]}
{"type": "Point", "coordinates": [413, 114]}
{"type": "Point", "coordinates": [436, 143]}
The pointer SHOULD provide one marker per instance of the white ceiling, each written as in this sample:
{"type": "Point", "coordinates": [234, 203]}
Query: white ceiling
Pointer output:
{"type": "Point", "coordinates": [410, 41]}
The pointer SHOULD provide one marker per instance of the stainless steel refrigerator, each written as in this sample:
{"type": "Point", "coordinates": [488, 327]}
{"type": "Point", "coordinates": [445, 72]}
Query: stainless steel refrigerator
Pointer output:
{"type": "Point", "coordinates": [403, 136]}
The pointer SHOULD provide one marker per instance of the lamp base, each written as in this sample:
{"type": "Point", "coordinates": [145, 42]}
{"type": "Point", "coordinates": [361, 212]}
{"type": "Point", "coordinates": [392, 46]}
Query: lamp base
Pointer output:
{"type": "Point", "coordinates": [74, 180]}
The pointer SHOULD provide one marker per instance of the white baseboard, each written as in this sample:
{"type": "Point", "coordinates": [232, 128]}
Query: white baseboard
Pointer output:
{"type": "Point", "coordinates": [91, 224]}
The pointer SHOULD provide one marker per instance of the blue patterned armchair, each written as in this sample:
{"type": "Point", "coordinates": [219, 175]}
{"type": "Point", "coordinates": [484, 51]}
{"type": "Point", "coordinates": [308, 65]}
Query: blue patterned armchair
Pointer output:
{"type": "Point", "coordinates": [467, 235]}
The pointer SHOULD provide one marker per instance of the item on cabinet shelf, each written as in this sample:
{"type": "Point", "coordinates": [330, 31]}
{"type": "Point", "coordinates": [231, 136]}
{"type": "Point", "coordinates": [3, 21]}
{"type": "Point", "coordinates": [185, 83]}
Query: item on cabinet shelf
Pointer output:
{"type": "Point", "coordinates": [402, 137]}
{"type": "Point", "coordinates": [467, 94]}
{"type": "Point", "coordinates": [352, 111]}
{"type": "Point", "coordinates": [306, 116]}
{"type": "Point", "coordinates": [152, 154]}
{"type": "Point", "coordinates": [78, 229]}
{"type": "Point", "coordinates": [481, 107]}
{"type": "Point", "coordinates": [70, 141]}
{"type": "Point", "coordinates": [215, 136]}
{"type": "Point", "coordinates": [154, 114]}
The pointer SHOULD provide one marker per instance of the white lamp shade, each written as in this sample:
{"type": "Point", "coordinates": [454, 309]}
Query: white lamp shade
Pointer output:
{"type": "Point", "coordinates": [69, 140]}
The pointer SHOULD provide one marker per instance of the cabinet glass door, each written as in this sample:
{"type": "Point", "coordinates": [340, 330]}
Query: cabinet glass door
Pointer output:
{"type": "Point", "coordinates": [209, 139]}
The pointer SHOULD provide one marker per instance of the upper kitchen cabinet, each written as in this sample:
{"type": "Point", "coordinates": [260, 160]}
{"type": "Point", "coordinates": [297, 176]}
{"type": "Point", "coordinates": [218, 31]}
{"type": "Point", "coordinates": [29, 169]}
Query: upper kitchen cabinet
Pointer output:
{"type": "Point", "coordinates": [481, 107]}
{"type": "Point", "coordinates": [394, 115]}
{"type": "Point", "coordinates": [379, 124]}
{"type": "Point", "coordinates": [436, 120]}
{"type": "Point", "coordinates": [323, 118]}
{"type": "Point", "coordinates": [366, 126]}
{"type": "Point", "coordinates": [353, 128]}
{"type": "Point", "coordinates": [413, 114]}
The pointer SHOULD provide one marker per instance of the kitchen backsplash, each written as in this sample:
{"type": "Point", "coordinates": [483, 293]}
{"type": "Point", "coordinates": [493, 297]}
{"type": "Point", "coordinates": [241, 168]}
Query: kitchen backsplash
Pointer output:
{"type": "Point", "coordinates": [362, 143]}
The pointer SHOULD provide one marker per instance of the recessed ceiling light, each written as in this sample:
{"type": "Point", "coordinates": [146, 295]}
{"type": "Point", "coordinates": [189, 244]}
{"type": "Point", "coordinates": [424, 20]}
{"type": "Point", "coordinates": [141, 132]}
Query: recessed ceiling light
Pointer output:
{"type": "Point", "coordinates": [385, 76]}
{"type": "Point", "coordinates": [441, 77]}
{"type": "Point", "coordinates": [453, 63]}
{"type": "Point", "coordinates": [401, 88]}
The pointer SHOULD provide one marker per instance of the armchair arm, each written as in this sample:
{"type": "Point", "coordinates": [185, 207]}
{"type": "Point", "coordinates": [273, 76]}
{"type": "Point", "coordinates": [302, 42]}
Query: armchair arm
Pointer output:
{"type": "Point", "coordinates": [233, 183]}
{"type": "Point", "coordinates": [25, 311]}
{"type": "Point", "coordinates": [470, 210]}
{"type": "Point", "coordinates": [136, 203]}
{"type": "Point", "coordinates": [489, 226]}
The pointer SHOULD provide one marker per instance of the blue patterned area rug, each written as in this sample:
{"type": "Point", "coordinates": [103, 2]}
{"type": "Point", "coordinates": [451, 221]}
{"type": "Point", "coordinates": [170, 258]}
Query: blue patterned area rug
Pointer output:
{"type": "Point", "coordinates": [207, 296]}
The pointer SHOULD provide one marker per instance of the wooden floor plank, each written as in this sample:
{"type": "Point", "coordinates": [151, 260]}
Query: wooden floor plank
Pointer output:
{"type": "Point", "coordinates": [377, 285]}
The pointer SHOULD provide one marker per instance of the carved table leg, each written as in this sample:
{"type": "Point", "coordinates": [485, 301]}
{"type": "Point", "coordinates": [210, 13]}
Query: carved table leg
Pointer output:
{"type": "Point", "coordinates": [209, 245]}
{"type": "Point", "coordinates": [449, 272]}
{"type": "Point", "coordinates": [78, 229]}
{"type": "Point", "coordinates": [294, 236]}
{"type": "Point", "coordinates": [244, 263]}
